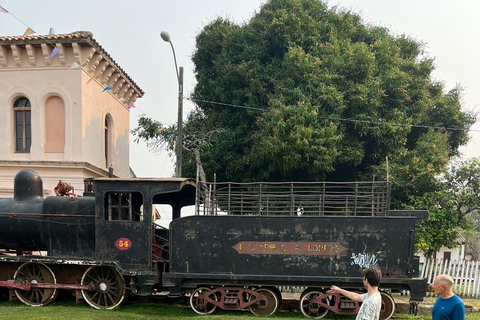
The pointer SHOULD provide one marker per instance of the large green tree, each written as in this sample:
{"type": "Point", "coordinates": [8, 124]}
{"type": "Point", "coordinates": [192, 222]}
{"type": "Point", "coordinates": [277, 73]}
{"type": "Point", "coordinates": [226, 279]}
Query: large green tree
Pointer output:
{"type": "Point", "coordinates": [305, 92]}
{"type": "Point", "coordinates": [324, 93]}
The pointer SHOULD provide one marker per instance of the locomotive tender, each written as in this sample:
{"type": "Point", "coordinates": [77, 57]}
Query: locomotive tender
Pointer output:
{"type": "Point", "coordinates": [103, 245]}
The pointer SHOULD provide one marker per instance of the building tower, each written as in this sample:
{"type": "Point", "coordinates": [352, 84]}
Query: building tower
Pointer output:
{"type": "Point", "coordinates": [65, 110]}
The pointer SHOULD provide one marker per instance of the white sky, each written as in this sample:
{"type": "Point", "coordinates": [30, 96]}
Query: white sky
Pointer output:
{"type": "Point", "coordinates": [130, 32]}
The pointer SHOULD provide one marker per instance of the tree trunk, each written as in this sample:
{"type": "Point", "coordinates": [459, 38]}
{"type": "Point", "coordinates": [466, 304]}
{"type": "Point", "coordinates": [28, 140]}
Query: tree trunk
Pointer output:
{"type": "Point", "coordinates": [201, 173]}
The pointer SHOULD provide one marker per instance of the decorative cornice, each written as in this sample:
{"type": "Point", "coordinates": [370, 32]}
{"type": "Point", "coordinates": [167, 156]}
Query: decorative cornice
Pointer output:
{"type": "Point", "coordinates": [79, 47]}
{"type": "Point", "coordinates": [3, 56]}
{"type": "Point", "coordinates": [31, 54]}
{"type": "Point", "coordinates": [118, 84]}
{"type": "Point", "coordinates": [89, 56]}
{"type": "Point", "coordinates": [123, 89]}
{"type": "Point", "coordinates": [17, 55]}
{"type": "Point", "coordinates": [107, 74]}
{"type": "Point", "coordinates": [129, 94]}
{"type": "Point", "coordinates": [132, 99]}
{"type": "Point", "coordinates": [61, 54]}
{"type": "Point", "coordinates": [102, 66]}
{"type": "Point", "coordinates": [94, 61]}
{"type": "Point", "coordinates": [113, 79]}
{"type": "Point", "coordinates": [46, 54]}
{"type": "Point", "coordinates": [76, 52]}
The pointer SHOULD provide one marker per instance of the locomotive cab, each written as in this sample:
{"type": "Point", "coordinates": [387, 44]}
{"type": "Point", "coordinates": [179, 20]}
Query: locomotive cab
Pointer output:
{"type": "Point", "coordinates": [125, 230]}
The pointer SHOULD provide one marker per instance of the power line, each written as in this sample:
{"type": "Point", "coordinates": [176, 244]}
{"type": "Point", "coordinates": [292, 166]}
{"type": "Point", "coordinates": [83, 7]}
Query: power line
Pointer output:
{"type": "Point", "coordinates": [338, 118]}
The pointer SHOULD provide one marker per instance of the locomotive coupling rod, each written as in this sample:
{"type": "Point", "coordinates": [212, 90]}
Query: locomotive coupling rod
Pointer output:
{"type": "Point", "coordinates": [16, 284]}
{"type": "Point", "coordinates": [89, 287]}
{"type": "Point", "coordinates": [25, 285]}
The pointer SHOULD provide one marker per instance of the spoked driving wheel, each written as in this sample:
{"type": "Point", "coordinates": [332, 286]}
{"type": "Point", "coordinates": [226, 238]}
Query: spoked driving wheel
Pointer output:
{"type": "Point", "coordinates": [311, 309]}
{"type": "Point", "coordinates": [267, 306]}
{"type": "Point", "coordinates": [36, 273]}
{"type": "Point", "coordinates": [201, 306]}
{"type": "Point", "coordinates": [109, 287]}
{"type": "Point", "coordinates": [388, 306]}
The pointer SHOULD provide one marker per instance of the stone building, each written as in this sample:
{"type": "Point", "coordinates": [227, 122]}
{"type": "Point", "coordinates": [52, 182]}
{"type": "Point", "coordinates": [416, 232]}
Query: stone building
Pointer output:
{"type": "Point", "coordinates": [65, 106]}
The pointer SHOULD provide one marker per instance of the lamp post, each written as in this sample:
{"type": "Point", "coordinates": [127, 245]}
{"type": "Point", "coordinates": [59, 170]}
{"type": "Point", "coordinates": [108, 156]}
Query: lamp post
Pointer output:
{"type": "Point", "coordinates": [178, 172]}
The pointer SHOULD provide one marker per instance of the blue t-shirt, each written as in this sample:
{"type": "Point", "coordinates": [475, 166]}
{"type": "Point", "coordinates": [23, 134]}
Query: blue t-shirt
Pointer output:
{"type": "Point", "coordinates": [448, 309]}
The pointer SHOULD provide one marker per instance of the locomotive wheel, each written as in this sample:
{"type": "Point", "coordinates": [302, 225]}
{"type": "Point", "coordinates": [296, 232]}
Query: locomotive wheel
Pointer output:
{"type": "Point", "coordinates": [271, 303]}
{"type": "Point", "coordinates": [109, 287]}
{"type": "Point", "coordinates": [279, 297]}
{"type": "Point", "coordinates": [306, 305]}
{"type": "Point", "coordinates": [198, 305]}
{"type": "Point", "coordinates": [388, 306]}
{"type": "Point", "coordinates": [36, 273]}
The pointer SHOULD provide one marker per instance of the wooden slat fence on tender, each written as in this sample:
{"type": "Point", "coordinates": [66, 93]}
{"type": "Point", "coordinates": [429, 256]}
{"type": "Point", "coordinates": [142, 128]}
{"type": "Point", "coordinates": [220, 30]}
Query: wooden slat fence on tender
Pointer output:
{"type": "Point", "coordinates": [294, 198]}
{"type": "Point", "coordinates": [465, 274]}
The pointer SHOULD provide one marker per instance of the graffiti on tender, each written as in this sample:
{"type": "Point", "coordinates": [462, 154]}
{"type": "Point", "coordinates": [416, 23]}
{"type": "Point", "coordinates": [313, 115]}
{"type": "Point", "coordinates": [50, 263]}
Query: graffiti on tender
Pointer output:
{"type": "Point", "coordinates": [365, 260]}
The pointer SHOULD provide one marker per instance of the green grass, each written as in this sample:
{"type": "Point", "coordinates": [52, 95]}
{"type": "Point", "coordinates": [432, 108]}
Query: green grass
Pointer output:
{"type": "Point", "coordinates": [69, 310]}
{"type": "Point", "coordinates": [152, 310]}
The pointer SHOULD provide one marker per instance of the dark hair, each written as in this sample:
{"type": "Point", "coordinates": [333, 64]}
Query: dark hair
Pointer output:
{"type": "Point", "coordinates": [373, 275]}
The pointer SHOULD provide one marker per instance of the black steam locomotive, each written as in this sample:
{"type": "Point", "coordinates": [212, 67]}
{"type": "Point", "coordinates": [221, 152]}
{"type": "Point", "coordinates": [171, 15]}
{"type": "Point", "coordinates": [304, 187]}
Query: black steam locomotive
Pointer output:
{"type": "Point", "coordinates": [105, 244]}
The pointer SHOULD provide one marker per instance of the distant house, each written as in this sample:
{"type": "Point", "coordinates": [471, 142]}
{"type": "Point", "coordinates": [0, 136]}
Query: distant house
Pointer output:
{"type": "Point", "coordinates": [450, 254]}
{"type": "Point", "coordinates": [64, 104]}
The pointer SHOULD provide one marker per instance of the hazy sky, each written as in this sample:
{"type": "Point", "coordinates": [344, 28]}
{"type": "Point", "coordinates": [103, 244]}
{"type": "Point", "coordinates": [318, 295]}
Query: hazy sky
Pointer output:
{"type": "Point", "coordinates": [130, 32]}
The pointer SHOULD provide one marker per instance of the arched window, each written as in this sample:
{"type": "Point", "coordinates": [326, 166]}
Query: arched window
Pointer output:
{"type": "Point", "coordinates": [23, 125]}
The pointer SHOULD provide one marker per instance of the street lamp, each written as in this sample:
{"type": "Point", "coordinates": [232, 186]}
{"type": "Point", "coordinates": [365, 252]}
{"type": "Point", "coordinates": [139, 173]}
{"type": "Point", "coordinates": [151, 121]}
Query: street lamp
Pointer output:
{"type": "Point", "coordinates": [178, 173]}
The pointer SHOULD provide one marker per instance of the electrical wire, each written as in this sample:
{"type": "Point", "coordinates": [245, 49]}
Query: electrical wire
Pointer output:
{"type": "Point", "coordinates": [338, 118]}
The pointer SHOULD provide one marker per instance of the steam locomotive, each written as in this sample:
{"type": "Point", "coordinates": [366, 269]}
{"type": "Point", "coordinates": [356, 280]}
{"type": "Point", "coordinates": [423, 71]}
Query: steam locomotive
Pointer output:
{"type": "Point", "coordinates": [105, 244]}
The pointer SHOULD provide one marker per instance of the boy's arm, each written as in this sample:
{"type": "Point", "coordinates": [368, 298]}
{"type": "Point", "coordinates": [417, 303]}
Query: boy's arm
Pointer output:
{"type": "Point", "coordinates": [351, 295]}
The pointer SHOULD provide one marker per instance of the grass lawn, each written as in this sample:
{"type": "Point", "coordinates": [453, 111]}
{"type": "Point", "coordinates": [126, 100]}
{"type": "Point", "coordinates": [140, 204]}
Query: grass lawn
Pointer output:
{"type": "Point", "coordinates": [152, 310]}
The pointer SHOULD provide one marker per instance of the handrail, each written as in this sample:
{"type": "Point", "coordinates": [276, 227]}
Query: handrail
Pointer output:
{"type": "Point", "coordinates": [159, 243]}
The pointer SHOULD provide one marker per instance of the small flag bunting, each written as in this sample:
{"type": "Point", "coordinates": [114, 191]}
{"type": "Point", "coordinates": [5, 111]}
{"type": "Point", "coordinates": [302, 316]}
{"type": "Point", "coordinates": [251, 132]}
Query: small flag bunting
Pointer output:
{"type": "Point", "coordinates": [131, 106]}
{"type": "Point", "coordinates": [142, 115]}
{"type": "Point", "coordinates": [2, 9]}
{"type": "Point", "coordinates": [92, 78]}
{"type": "Point", "coordinates": [54, 53]}
{"type": "Point", "coordinates": [106, 88]}
{"type": "Point", "coordinates": [74, 65]}
{"type": "Point", "coordinates": [120, 100]}
{"type": "Point", "coordinates": [29, 32]}
{"type": "Point", "coordinates": [161, 129]}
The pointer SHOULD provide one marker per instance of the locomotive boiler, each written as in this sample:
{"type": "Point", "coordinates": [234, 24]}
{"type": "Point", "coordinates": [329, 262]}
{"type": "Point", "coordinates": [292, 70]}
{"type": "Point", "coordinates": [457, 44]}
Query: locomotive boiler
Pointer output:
{"type": "Point", "coordinates": [252, 241]}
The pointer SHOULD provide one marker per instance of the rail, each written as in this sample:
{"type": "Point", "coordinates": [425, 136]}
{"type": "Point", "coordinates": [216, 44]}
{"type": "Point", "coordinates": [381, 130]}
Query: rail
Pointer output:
{"type": "Point", "coordinates": [295, 198]}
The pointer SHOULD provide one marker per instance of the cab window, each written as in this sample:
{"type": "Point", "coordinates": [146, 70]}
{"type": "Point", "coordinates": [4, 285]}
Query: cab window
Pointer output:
{"type": "Point", "coordinates": [123, 206]}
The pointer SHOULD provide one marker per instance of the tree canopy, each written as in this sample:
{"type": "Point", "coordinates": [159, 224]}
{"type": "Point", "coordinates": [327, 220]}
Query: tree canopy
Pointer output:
{"type": "Point", "coordinates": [306, 92]}
{"type": "Point", "coordinates": [327, 97]}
